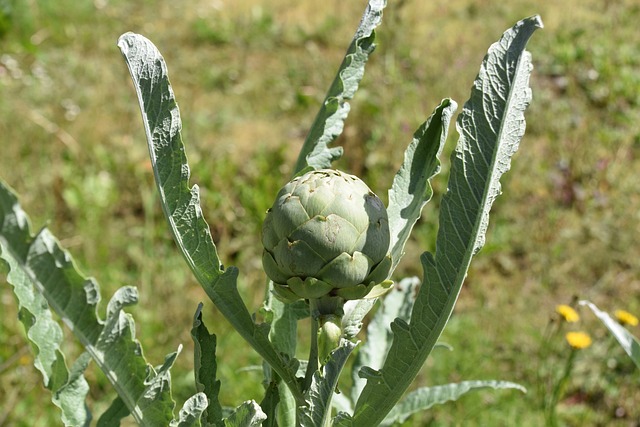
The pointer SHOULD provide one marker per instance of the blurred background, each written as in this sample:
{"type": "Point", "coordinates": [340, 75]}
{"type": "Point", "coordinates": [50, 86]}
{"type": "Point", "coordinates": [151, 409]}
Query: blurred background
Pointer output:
{"type": "Point", "coordinates": [249, 76]}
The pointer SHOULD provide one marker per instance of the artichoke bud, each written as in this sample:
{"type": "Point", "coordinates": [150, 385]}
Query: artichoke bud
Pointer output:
{"type": "Point", "coordinates": [327, 234]}
{"type": "Point", "coordinates": [329, 335]}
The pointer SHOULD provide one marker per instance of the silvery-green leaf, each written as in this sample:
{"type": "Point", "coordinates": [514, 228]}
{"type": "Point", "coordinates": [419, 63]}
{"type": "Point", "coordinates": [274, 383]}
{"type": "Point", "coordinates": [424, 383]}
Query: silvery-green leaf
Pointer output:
{"type": "Point", "coordinates": [192, 411]}
{"type": "Point", "coordinates": [396, 304]}
{"type": "Point", "coordinates": [249, 414]}
{"type": "Point", "coordinates": [490, 126]}
{"type": "Point", "coordinates": [269, 405]}
{"type": "Point", "coordinates": [411, 188]}
{"type": "Point", "coordinates": [342, 419]}
{"type": "Point", "coordinates": [283, 335]}
{"type": "Point", "coordinates": [205, 368]}
{"type": "Point", "coordinates": [323, 386]}
{"type": "Point", "coordinates": [68, 391]}
{"type": "Point", "coordinates": [143, 392]}
{"type": "Point", "coordinates": [426, 397]}
{"type": "Point", "coordinates": [181, 204]}
{"type": "Point", "coordinates": [626, 340]}
{"type": "Point", "coordinates": [409, 193]}
{"type": "Point", "coordinates": [114, 414]}
{"type": "Point", "coordinates": [329, 121]}
{"type": "Point", "coordinates": [354, 312]}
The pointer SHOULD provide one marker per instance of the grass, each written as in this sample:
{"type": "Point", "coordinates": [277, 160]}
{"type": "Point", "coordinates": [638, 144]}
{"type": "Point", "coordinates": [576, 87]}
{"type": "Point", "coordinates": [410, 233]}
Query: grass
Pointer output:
{"type": "Point", "coordinates": [249, 76]}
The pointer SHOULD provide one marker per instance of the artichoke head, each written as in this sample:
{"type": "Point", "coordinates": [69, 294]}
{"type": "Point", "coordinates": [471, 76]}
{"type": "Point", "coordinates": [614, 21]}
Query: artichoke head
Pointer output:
{"type": "Point", "coordinates": [327, 234]}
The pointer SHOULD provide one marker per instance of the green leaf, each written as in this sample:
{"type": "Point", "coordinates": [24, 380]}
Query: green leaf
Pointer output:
{"type": "Point", "coordinates": [248, 414]}
{"type": "Point", "coordinates": [490, 126]}
{"type": "Point", "coordinates": [426, 397]}
{"type": "Point", "coordinates": [69, 396]}
{"type": "Point", "coordinates": [161, 117]}
{"type": "Point", "coordinates": [114, 414]}
{"type": "Point", "coordinates": [69, 391]}
{"type": "Point", "coordinates": [283, 335]}
{"type": "Point", "coordinates": [269, 405]}
{"type": "Point", "coordinates": [329, 121]}
{"type": "Point", "coordinates": [284, 325]}
{"type": "Point", "coordinates": [411, 189]}
{"type": "Point", "coordinates": [144, 391]}
{"type": "Point", "coordinates": [181, 204]}
{"type": "Point", "coordinates": [205, 368]}
{"type": "Point", "coordinates": [409, 193]}
{"type": "Point", "coordinates": [323, 385]}
{"type": "Point", "coordinates": [192, 411]}
{"type": "Point", "coordinates": [626, 340]}
{"type": "Point", "coordinates": [354, 312]}
{"type": "Point", "coordinates": [396, 304]}
{"type": "Point", "coordinates": [342, 419]}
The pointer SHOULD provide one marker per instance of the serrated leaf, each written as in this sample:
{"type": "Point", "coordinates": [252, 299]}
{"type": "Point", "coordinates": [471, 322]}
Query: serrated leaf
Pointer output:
{"type": "Point", "coordinates": [410, 191]}
{"type": "Point", "coordinates": [205, 368]}
{"type": "Point", "coordinates": [249, 414]}
{"type": "Point", "coordinates": [627, 341]}
{"type": "Point", "coordinates": [69, 390]}
{"type": "Point", "coordinates": [111, 343]}
{"type": "Point", "coordinates": [329, 122]}
{"type": "Point", "coordinates": [192, 411]}
{"type": "Point", "coordinates": [283, 334]}
{"type": "Point", "coordinates": [69, 396]}
{"type": "Point", "coordinates": [342, 419]}
{"type": "Point", "coordinates": [426, 397]}
{"type": "Point", "coordinates": [269, 405]}
{"type": "Point", "coordinates": [145, 392]}
{"type": "Point", "coordinates": [490, 126]}
{"type": "Point", "coordinates": [411, 188]}
{"type": "Point", "coordinates": [158, 388]}
{"type": "Point", "coordinates": [181, 204]}
{"type": "Point", "coordinates": [323, 385]}
{"type": "Point", "coordinates": [354, 313]}
{"type": "Point", "coordinates": [396, 304]}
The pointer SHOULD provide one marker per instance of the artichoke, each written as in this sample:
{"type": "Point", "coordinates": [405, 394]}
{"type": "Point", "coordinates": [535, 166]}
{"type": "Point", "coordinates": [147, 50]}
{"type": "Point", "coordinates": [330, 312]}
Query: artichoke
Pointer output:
{"type": "Point", "coordinates": [326, 235]}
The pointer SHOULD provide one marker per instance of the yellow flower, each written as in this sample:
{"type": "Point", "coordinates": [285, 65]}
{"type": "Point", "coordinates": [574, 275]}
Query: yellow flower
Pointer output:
{"type": "Point", "coordinates": [568, 313]}
{"type": "Point", "coordinates": [578, 340]}
{"type": "Point", "coordinates": [626, 318]}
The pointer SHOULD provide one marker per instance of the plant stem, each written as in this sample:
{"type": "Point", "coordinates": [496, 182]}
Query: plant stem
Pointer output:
{"type": "Point", "coordinates": [552, 416]}
{"type": "Point", "coordinates": [550, 335]}
{"type": "Point", "coordinates": [312, 365]}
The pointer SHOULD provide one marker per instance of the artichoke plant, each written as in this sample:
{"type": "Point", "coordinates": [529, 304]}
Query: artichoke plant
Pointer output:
{"type": "Point", "coordinates": [327, 235]}
{"type": "Point", "coordinates": [327, 239]}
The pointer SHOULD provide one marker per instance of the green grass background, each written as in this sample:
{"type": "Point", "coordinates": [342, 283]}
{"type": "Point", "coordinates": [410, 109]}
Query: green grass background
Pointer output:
{"type": "Point", "coordinates": [249, 76]}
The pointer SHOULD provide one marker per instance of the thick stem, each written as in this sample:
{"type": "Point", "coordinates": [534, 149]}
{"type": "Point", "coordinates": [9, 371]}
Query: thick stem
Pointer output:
{"type": "Point", "coordinates": [327, 306]}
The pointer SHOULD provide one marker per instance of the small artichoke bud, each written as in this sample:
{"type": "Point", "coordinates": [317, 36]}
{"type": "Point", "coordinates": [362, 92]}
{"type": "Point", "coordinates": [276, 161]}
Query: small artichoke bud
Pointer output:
{"type": "Point", "coordinates": [327, 234]}
{"type": "Point", "coordinates": [329, 336]}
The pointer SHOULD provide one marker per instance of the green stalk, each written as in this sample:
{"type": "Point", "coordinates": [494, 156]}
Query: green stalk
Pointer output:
{"type": "Point", "coordinates": [552, 416]}
{"type": "Point", "coordinates": [312, 365]}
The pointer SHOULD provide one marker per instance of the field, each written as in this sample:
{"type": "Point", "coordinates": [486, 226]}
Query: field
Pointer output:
{"type": "Point", "coordinates": [249, 76]}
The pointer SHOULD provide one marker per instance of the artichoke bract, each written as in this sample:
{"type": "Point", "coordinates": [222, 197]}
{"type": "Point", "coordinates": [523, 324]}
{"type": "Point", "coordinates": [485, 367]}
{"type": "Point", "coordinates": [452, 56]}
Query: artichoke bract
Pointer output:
{"type": "Point", "coordinates": [327, 234]}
